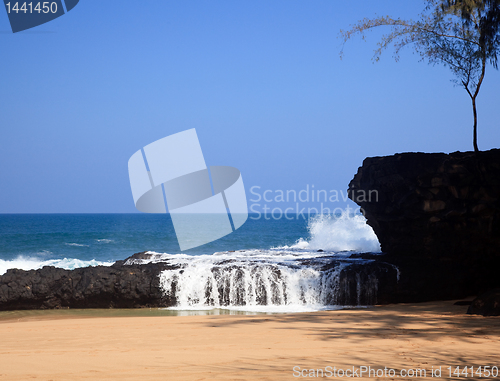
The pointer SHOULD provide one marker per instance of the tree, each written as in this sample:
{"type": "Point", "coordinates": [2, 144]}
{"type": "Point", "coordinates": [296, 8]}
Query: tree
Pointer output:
{"type": "Point", "coordinates": [448, 32]}
{"type": "Point", "coordinates": [488, 12]}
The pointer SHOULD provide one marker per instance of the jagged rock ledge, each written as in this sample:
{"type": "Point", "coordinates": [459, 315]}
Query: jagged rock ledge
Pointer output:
{"type": "Point", "coordinates": [129, 284]}
{"type": "Point", "coordinates": [437, 217]}
{"type": "Point", "coordinates": [117, 286]}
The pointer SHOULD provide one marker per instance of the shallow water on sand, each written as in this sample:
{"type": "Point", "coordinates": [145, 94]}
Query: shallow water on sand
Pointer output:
{"type": "Point", "coordinates": [26, 315]}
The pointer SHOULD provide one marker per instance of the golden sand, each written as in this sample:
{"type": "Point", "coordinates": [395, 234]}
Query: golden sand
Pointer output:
{"type": "Point", "coordinates": [238, 347]}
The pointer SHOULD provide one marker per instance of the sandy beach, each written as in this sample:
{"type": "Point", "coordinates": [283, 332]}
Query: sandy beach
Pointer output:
{"type": "Point", "coordinates": [245, 347]}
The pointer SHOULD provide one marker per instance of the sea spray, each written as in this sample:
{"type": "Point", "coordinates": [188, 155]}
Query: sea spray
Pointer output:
{"type": "Point", "coordinates": [295, 278]}
{"type": "Point", "coordinates": [343, 233]}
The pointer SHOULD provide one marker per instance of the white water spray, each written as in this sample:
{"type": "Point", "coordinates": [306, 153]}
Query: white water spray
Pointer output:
{"type": "Point", "coordinates": [282, 279]}
{"type": "Point", "coordinates": [342, 233]}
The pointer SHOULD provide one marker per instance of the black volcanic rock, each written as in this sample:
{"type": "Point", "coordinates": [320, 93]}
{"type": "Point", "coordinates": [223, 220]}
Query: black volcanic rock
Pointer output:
{"type": "Point", "coordinates": [437, 217]}
{"type": "Point", "coordinates": [379, 279]}
{"type": "Point", "coordinates": [362, 281]}
{"type": "Point", "coordinates": [118, 286]}
{"type": "Point", "coordinates": [486, 304]}
{"type": "Point", "coordinates": [141, 255]}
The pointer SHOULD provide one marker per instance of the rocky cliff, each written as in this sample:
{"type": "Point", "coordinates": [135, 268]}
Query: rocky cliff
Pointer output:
{"type": "Point", "coordinates": [437, 216]}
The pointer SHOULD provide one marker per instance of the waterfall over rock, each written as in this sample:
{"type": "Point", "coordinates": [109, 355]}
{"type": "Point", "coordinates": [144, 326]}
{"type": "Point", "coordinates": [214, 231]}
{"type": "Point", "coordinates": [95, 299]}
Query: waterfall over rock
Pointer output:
{"type": "Point", "coordinates": [270, 280]}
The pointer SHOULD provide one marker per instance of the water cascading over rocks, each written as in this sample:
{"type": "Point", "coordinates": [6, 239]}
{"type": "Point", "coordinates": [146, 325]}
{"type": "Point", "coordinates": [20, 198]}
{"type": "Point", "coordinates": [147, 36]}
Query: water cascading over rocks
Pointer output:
{"type": "Point", "coordinates": [279, 281]}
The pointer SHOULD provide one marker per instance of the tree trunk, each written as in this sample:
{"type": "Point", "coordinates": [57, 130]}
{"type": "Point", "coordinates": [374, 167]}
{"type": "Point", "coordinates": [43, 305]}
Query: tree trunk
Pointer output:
{"type": "Point", "coordinates": [474, 140]}
{"type": "Point", "coordinates": [473, 97]}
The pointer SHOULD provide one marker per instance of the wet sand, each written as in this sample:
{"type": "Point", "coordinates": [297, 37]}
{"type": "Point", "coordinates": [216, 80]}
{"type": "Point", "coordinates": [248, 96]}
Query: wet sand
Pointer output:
{"type": "Point", "coordinates": [96, 346]}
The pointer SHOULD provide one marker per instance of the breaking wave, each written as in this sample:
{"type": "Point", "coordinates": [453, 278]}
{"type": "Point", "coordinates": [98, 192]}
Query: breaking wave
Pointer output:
{"type": "Point", "coordinates": [31, 263]}
{"type": "Point", "coordinates": [344, 233]}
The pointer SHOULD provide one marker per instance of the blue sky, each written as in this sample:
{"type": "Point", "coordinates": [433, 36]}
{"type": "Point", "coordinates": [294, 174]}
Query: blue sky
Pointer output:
{"type": "Point", "coordinates": [260, 80]}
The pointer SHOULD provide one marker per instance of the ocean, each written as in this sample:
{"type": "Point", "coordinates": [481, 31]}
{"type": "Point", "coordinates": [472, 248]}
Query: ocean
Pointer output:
{"type": "Point", "coordinates": [268, 265]}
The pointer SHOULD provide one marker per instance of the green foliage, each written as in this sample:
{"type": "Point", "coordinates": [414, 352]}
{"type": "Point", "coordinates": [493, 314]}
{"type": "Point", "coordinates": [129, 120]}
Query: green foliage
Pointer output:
{"type": "Point", "coordinates": [485, 15]}
{"type": "Point", "coordinates": [438, 37]}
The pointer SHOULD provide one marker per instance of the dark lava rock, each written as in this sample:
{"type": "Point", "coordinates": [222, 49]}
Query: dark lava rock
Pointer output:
{"type": "Point", "coordinates": [437, 217]}
{"type": "Point", "coordinates": [366, 284]}
{"type": "Point", "coordinates": [117, 286]}
{"type": "Point", "coordinates": [137, 257]}
{"type": "Point", "coordinates": [141, 255]}
{"type": "Point", "coordinates": [487, 304]}
{"type": "Point", "coordinates": [360, 282]}
{"type": "Point", "coordinates": [463, 303]}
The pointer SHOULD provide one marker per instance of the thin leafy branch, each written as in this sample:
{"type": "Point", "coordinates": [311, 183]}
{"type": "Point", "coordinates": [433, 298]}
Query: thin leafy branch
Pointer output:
{"type": "Point", "coordinates": [458, 34]}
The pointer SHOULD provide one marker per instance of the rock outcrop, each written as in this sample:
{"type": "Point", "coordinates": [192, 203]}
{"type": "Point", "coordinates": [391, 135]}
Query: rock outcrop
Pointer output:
{"type": "Point", "coordinates": [135, 283]}
{"type": "Point", "coordinates": [486, 304]}
{"type": "Point", "coordinates": [437, 217]}
{"type": "Point", "coordinates": [118, 286]}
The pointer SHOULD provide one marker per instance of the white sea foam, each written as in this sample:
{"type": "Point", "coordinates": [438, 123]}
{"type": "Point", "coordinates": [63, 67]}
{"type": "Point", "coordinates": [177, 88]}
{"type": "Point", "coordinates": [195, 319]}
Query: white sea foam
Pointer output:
{"type": "Point", "coordinates": [104, 240]}
{"type": "Point", "coordinates": [32, 263]}
{"type": "Point", "coordinates": [344, 233]}
{"type": "Point", "coordinates": [267, 281]}
{"type": "Point", "coordinates": [273, 281]}
{"type": "Point", "coordinates": [76, 244]}
{"type": "Point", "coordinates": [281, 279]}
{"type": "Point", "coordinates": [275, 255]}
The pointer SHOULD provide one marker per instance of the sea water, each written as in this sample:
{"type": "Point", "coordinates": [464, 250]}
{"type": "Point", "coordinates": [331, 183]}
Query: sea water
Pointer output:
{"type": "Point", "coordinates": [267, 265]}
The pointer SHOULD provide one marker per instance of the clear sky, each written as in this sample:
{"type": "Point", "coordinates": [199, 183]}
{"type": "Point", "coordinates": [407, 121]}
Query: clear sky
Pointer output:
{"type": "Point", "coordinates": [260, 80]}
